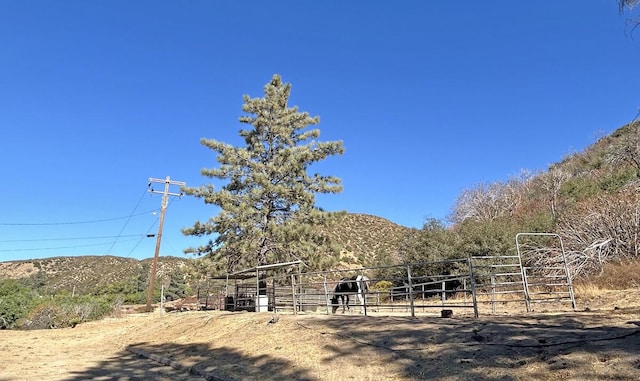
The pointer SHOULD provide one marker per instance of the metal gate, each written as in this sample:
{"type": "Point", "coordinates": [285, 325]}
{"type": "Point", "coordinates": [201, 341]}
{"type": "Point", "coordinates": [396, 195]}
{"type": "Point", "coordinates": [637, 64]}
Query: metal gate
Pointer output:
{"type": "Point", "coordinates": [498, 280]}
{"type": "Point", "coordinates": [545, 272]}
{"type": "Point", "coordinates": [538, 273]}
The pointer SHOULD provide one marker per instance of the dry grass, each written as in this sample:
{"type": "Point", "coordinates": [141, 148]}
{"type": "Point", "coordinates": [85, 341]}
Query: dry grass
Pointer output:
{"type": "Point", "coordinates": [598, 343]}
{"type": "Point", "coordinates": [587, 290]}
{"type": "Point", "coordinates": [618, 276]}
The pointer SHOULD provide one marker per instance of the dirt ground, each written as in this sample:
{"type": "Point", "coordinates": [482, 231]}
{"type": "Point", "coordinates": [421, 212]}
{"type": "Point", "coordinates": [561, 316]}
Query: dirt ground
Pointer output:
{"type": "Point", "coordinates": [599, 342]}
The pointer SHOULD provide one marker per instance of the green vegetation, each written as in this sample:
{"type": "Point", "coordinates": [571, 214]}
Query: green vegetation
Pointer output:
{"type": "Point", "coordinates": [16, 301]}
{"type": "Point", "coordinates": [131, 291]}
{"type": "Point", "coordinates": [22, 307]}
{"type": "Point", "coordinates": [176, 286]}
{"type": "Point", "coordinates": [64, 291]}
{"type": "Point", "coordinates": [268, 205]}
{"type": "Point", "coordinates": [67, 311]}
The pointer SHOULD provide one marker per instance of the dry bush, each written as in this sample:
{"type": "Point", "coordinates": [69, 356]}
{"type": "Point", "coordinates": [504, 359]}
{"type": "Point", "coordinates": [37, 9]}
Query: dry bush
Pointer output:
{"type": "Point", "coordinates": [618, 276]}
{"type": "Point", "coordinates": [601, 231]}
{"type": "Point", "coordinates": [66, 311]}
{"type": "Point", "coordinates": [116, 309]}
{"type": "Point", "coordinates": [43, 317]}
{"type": "Point", "coordinates": [614, 276]}
{"type": "Point", "coordinates": [585, 289]}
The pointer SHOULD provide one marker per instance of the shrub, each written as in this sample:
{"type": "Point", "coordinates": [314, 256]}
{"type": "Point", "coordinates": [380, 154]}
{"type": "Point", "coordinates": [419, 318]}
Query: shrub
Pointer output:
{"type": "Point", "coordinates": [16, 301]}
{"type": "Point", "coordinates": [129, 291]}
{"type": "Point", "coordinates": [43, 316]}
{"type": "Point", "coordinates": [618, 276]}
{"type": "Point", "coordinates": [382, 287]}
{"type": "Point", "coordinates": [67, 311]}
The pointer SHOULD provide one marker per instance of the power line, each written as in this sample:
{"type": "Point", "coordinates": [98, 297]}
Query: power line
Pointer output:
{"type": "Point", "coordinates": [59, 247]}
{"type": "Point", "coordinates": [127, 221]}
{"type": "Point", "coordinates": [75, 222]}
{"type": "Point", "coordinates": [146, 234]}
{"type": "Point", "coordinates": [66, 239]}
{"type": "Point", "coordinates": [143, 237]}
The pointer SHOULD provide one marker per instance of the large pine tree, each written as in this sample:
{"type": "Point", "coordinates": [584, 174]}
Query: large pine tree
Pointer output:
{"type": "Point", "coordinates": [267, 208]}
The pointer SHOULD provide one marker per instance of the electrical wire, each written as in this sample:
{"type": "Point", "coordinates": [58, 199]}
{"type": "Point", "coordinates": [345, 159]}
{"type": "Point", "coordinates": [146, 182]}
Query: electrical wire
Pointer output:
{"type": "Point", "coordinates": [59, 247]}
{"type": "Point", "coordinates": [64, 239]}
{"type": "Point", "coordinates": [142, 238]}
{"type": "Point", "coordinates": [148, 230]}
{"type": "Point", "coordinates": [127, 221]}
{"type": "Point", "coordinates": [74, 222]}
{"type": "Point", "coordinates": [111, 243]}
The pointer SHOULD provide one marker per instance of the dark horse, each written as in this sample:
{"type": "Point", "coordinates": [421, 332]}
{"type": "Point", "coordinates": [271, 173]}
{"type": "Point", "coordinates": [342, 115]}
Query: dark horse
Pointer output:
{"type": "Point", "coordinates": [349, 286]}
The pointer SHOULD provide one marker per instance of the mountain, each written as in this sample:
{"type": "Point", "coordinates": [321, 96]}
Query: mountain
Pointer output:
{"type": "Point", "coordinates": [86, 274]}
{"type": "Point", "coordinates": [362, 239]}
{"type": "Point", "coordinates": [368, 240]}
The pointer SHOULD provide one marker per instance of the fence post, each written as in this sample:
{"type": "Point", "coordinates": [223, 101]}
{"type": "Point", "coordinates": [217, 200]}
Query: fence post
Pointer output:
{"type": "Point", "coordinates": [525, 282]}
{"type": "Point", "coordinates": [326, 294]}
{"type": "Point", "coordinates": [464, 294]}
{"type": "Point", "coordinates": [413, 313]}
{"type": "Point", "coordinates": [473, 288]}
{"type": "Point", "coordinates": [293, 294]}
{"type": "Point", "coordinates": [493, 292]}
{"type": "Point", "coordinates": [364, 293]}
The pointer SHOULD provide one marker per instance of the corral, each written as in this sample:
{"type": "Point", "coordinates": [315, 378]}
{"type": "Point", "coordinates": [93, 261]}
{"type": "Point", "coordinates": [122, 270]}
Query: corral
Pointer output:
{"type": "Point", "coordinates": [433, 287]}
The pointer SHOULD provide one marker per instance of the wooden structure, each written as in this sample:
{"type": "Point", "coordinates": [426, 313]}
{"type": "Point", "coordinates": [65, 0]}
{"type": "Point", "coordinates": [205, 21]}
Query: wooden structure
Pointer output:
{"type": "Point", "coordinates": [250, 290]}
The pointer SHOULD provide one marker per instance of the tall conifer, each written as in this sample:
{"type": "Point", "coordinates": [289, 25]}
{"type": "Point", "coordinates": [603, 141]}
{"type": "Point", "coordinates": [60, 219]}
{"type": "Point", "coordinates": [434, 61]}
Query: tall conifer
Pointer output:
{"type": "Point", "coordinates": [267, 207]}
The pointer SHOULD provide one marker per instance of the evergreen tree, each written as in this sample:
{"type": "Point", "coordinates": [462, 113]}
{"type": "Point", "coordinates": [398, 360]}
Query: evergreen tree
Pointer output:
{"type": "Point", "coordinates": [628, 6]}
{"type": "Point", "coordinates": [433, 243]}
{"type": "Point", "coordinates": [175, 286]}
{"type": "Point", "coordinates": [268, 212]}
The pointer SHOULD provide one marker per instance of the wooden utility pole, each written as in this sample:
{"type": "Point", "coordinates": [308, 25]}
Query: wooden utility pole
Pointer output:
{"type": "Point", "coordinates": [165, 195]}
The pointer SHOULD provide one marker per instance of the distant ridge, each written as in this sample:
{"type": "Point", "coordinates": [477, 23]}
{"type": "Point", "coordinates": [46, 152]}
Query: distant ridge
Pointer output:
{"type": "Point", "coordinates": [361, 238]}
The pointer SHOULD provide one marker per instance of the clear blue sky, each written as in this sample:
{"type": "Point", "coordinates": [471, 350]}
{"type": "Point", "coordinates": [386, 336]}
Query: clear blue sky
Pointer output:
{"type": "Point", "coordinates": [428, 97]}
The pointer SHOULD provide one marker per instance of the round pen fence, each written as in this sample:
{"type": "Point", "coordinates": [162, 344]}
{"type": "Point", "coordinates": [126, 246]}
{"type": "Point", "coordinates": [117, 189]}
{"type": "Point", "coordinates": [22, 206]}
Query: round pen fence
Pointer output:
{"type": "Point", "coordinates": [435, 287]}
{"type": "Point", "coordinates": [536, 273]}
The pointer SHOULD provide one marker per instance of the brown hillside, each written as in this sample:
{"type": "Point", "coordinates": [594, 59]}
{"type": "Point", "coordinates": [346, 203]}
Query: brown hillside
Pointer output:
{"type": "Point", "coordinates": [368, 240]}
{"type": "Point", "coordinates": [85, 274]}
{"type": "Point", "coordinates": [362, 239]}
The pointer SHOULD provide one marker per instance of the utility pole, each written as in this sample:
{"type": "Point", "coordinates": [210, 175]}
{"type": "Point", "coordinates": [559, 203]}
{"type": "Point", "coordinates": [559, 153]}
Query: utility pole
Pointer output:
{"type": "Point", "coordinates": [165, 195]}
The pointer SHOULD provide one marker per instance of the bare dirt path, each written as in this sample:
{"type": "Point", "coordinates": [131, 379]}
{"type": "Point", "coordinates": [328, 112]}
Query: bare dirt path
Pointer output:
{"type": "Point", "coordinates": [594, 344]}
{"type": "Point", "coordinates": [90, 351]}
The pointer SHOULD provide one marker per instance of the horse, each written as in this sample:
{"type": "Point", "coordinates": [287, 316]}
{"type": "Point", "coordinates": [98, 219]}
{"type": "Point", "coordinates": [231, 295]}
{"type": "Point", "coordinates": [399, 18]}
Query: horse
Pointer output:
{"type": "Point", "coordinates": [349, 286]}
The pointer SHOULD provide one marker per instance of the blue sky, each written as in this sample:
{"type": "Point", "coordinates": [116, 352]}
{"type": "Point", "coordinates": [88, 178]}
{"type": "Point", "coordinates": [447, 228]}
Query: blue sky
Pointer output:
{"type": "Point", "coordinates": [428, 97]}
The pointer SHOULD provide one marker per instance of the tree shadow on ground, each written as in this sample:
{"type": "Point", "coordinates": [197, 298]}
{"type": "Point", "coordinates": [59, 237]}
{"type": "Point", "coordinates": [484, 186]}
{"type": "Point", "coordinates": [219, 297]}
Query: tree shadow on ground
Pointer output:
{"type": "Point", "coordinates": [531, 347]}
{"type": "Point", "coordinates": [175, 362]}
{"type": "Point", "coordinates": [494, 349]}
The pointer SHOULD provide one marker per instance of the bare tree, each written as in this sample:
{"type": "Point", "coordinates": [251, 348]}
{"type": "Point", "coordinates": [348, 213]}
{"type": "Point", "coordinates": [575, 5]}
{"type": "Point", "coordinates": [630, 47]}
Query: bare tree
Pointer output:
{"type": "Point", "coordinates": [518, 189]}
{"type": "Point", "coordinates": [551, 183]}
{"type": "Point", "coordinates": [488, 201]}
{"type": "Point", "coordinates": [626, 149]}
{"type": "Point", "coordinates": [602, 230]}
{"type": "Point", "coordinates": [628, 6]}
{"type": "Point", "coordinates": [479, 202]}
